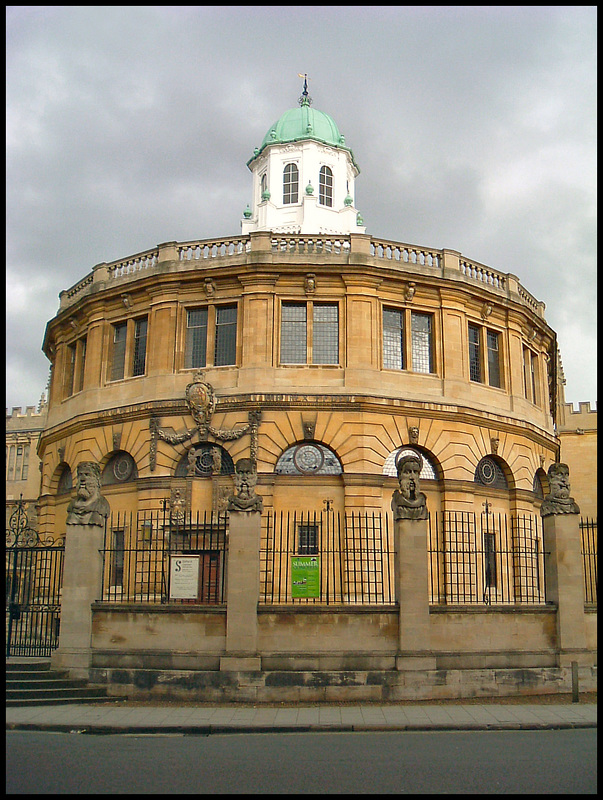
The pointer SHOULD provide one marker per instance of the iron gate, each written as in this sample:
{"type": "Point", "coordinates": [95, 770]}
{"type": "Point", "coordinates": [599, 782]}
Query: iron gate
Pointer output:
{"type": "Point", "coordinates": [34, 575]}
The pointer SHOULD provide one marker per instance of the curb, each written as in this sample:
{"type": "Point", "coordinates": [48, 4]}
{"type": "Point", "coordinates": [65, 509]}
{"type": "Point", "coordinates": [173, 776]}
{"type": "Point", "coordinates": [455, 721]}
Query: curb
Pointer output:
{"type": "Point", "coordinates": [208, 730]}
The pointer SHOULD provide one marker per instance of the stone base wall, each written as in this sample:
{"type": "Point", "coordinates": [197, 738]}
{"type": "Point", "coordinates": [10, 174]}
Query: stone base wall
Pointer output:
{"type": "Point", "coordinates": [327, 654]}
{"type": "Point", "coordinates": [338, 686]}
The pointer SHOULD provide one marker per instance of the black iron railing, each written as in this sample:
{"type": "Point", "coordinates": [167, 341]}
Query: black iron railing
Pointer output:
{"type": "Point", "coordinates": [486, 558]}
{"type": "Point", "coordinates": [588, 531]}
{"type": "Point", "coordinates": [327, 558]}
{"type": "Point", "coordinates": [162, 557]}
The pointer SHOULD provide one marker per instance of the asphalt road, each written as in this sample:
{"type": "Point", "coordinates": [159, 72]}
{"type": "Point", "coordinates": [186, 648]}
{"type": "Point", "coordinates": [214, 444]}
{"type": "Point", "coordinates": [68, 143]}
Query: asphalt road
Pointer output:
{"type": "Point", "coordinates": [484, 762]}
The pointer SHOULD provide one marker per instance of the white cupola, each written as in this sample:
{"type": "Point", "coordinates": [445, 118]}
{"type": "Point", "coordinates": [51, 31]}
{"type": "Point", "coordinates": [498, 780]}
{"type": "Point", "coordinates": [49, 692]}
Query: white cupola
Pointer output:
{"type": "Point", "coordinates": [303, 177]}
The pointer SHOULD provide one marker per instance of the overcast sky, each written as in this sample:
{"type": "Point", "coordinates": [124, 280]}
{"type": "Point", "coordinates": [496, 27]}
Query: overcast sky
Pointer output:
{"type": "Point", "coordinates": [474, 129]}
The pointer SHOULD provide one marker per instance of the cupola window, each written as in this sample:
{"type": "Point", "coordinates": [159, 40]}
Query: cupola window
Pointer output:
{"type": "Point", "coordinates": [325, 187]}
{"type": "Point", "coordinates": [290, 184]}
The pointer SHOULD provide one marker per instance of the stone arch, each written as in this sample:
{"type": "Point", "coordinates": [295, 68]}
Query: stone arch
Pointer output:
{"type": "Point", "coordinates": [493, 472]}
{"type": "Point", "coordinates": [308, 458]}
{"type": "Point", "coordinates": [120, 468]}
{"type": "Point", "coordinates": [431, 468]}
{"type": "Point", "coordinates": [206, 459]}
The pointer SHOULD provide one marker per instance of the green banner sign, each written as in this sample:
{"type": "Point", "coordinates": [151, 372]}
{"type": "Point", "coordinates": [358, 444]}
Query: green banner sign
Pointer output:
{"type": "Point", "coordinates": [305, 576]}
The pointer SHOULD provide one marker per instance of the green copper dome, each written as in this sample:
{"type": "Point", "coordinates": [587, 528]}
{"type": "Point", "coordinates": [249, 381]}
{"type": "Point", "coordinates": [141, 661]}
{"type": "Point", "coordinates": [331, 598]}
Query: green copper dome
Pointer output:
{"type": "Point", "coordinates": [304, 122]}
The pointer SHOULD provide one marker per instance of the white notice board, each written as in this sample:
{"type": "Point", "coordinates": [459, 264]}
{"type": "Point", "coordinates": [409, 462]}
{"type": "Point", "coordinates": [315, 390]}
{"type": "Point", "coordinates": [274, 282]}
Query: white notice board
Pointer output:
{"type": "Point", "coordinates": [184, 577]}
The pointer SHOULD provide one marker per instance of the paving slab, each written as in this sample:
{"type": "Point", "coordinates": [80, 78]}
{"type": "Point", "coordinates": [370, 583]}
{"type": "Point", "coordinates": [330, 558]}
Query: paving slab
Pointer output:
{"type": "Point", "coordinates": [95, 718]}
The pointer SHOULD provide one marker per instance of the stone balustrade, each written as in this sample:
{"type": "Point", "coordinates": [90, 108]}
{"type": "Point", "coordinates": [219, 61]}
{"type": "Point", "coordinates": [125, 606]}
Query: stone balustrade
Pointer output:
{"type": "Point", "coordinates": [478, 272]}
{"type": "Point", "coordinates": [356, 245]}
{"type": "Point", "coordinates": [213, 248]}
{"type": "Point", "coordinates": [306, 245]}
{"type": "Point", "coordinates": [406, 253]}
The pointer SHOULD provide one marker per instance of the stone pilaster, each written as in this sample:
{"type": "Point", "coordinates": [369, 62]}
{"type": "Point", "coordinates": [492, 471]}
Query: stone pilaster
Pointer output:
{"type": "Point", "coordinates": [243, 592]}
{"type": "Point", "coordinates": [565, 586]}
{"type": "Point", "coordinates": [82, 586]}
{"type": "Point", "coordinates": [412, 594]}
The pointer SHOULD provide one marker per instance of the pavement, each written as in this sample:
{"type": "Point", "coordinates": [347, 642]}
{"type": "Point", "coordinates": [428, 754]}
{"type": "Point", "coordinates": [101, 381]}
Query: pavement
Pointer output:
{"type": "Point", "coordinates": [220, 719]}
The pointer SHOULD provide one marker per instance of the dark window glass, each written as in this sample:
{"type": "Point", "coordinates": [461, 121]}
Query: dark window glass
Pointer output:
{"type": "Point", "coordinates": [475, 370]}
{"type": "Point", "coordinates": [393, 339]}
{"type": "Point", "coordinates": [493, 359]}
{"type": "Point", "coordinates": [226, 336]}
{"type": "Point", "coordinates": [140, 346]}
{"type": "Point", "coordinates": [196, 338]}
{"type": "Point", "coordinates": [82, 366]}
{"type": "Point", "coordinates": [119, 351]}
{"type": "Point", "coordinates": [71, 353]}
{"type": "Point", "coordinates": [307, 539]}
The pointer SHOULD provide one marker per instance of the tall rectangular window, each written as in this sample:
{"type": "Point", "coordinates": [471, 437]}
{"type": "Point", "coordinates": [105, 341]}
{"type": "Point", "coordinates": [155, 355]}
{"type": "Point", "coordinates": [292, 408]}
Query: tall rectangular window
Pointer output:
{"type": "Point", "coordinates": [25, 469]}
{"type": "Point", "coordinates": [475, 366]}
{"type": "Point", "coordinates": [118, 361]}
{"type": "Point", "coordinates": [307, 539]}
{"type": "Point", "coordinates": [290, 184]}
{"type": "Point", "coordinates": [421, 343]}
{"type": "Point", "coordinates": [293, 333]}
{"type": "Point", "coordinates": [325, 186]}
{"type": "Point", "coordinates": [196, 338]}
{"type": "Point", "coordinates": [490, 560]}
{"type": "Point", "coordinates": [393, 339]}
{"type": "Point", "coordinates": [116, 577]}
{"type": "Point", "coordinates": [533, 372]}
{"type": "Point", "coordinates": [493, 358]}
{"type": "Point", "coordinates": [325, 340]}
{"type": "Point", "coordinates": [226, 336]}
{"type": "Point", "coordinates": [140, 346]}
{"type": "Point", "coordinates": [70, 373]}
{"type": "Point", "coordinates": [10, 470]}
{"type": "Point", "coordinates": [81, 365]}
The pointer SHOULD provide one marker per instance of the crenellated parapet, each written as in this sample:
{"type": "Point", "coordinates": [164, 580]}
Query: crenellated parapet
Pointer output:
{"type": "Point", "coordinates": [580, 420]}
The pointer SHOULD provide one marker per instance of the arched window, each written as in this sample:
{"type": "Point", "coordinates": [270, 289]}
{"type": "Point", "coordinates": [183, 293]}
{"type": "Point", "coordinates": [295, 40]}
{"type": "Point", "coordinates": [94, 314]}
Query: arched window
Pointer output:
{"type": "Point", "coordinates": [205, 460]}
{"type": "Point", "coordinates": [539, 486]}
{"type": "Point", "coordinates": [428, 471]}
{"type": "Point", "coordinates": [290, 184]}
{"type": "Point", "coordinates": [120, 468]}
{"type": "Point", "coordinates": [308, 458]}
{"type": "Point", "coordinates": [489, 473]}
{"type": "Point", "coordinates": [65, 481]}
{"type": "Point", "coordinates": [325, 187]}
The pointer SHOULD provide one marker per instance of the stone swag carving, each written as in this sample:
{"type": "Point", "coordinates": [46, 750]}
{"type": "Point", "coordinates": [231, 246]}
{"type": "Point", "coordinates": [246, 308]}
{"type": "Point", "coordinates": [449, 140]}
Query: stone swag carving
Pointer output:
{"type": "Point", "coordinates": [409, 502]}
{"type": "Point", "coordinates": [245, 480]}
{"type": "Point", "coordinates": [201, 402]}
{"type": "Point", "coordinates": [88, 507]}
{"type": "Point", "coordinates": [559, 500]}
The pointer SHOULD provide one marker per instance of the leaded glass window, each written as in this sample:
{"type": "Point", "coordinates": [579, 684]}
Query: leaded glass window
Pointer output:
{"type": "Point", "coordinates": [140, 346]}
{"type": "Point", "coordinates": [393, 339]}
{"type": "Point", "coordinates": [309, 458]}
{"type": "Point", "coordinates": [475, 367]}
{"type": "Point", "coordinates": [428, 470]}
{"type": "Point", "coordinates": [226, 336]}
{"type": "Point", "coordinates": [421, 342]}
{"type": "Point", "coordinates": [120, 468]}
{"type": "Point", "coordinates": [489, 473]}
{"type": "Point", "coordinates": [118, 362]}
{"type": "Point", "coordinates": [290, 184]}
{"type": "Point", "coordinates": [196, 338]}
{"type": "Point", "coordinates": [493, 358]}
{"type": "Point", "coordinates": [325, 186]}
{"type": "Point", "coordinates": [293, 333]}
{"type": "Point", "coordinates": [325, 344]}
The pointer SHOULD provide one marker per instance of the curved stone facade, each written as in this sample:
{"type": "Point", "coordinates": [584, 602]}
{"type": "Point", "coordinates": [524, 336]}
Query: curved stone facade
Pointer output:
{"type": "Point", "coordinates": [351, 344]}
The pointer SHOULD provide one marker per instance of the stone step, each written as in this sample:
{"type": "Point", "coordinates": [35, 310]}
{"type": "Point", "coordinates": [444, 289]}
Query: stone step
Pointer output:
{"type": "Point", "coordinates": [33, 682]}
